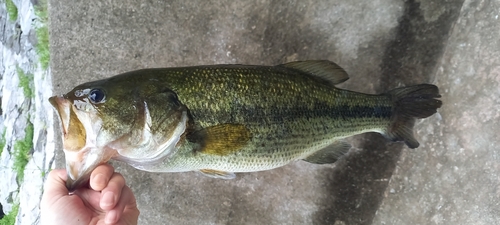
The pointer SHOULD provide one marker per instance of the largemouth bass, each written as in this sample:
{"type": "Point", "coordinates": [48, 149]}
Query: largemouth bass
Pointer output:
{"type": "Point", "coordinates": [224, 119]}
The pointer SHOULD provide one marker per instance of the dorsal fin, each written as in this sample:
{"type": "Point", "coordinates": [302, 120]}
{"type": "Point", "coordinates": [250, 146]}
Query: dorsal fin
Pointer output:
{"type": "Point", "coordinates": [323, 69]}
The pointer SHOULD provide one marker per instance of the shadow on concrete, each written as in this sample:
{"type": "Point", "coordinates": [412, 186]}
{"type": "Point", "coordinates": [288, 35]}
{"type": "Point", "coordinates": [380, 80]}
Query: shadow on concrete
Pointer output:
{"type": "Point", "coordinates": [357, 185]}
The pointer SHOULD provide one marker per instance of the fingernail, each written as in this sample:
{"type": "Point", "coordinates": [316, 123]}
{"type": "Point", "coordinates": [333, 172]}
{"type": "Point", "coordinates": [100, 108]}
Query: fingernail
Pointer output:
{"type": "Point", "coordinates": [108, 199]}
{"type": "Point", "coordinates": [110, 217]}
{"type": "Point", "coordinates": [100, 180]}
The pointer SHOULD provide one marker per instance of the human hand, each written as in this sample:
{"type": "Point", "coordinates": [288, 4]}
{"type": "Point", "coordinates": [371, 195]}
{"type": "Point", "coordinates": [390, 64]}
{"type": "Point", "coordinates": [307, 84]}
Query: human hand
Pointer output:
{"type": "Point", "coordinates": [107, 201]}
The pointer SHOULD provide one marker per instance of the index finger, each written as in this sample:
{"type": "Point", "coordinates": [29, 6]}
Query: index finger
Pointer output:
{"type": "Point", "coordinates": [100, 177]}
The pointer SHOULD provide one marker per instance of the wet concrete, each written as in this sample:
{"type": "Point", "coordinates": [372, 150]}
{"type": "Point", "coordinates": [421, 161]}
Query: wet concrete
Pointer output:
{"type": "Point", "coordinates": [382, 45]}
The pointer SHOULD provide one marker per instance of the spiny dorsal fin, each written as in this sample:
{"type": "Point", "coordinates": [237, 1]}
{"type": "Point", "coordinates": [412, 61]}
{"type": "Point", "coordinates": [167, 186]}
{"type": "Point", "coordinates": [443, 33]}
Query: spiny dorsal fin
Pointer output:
{"type": "Point", "coordinates": [221, 139]}
{"type": "Point", "coordinates": [323, 69]}
{"type": "Point", "coordinates": [330, 154]}
{"type": "Point", "coordinates": [217, 174]}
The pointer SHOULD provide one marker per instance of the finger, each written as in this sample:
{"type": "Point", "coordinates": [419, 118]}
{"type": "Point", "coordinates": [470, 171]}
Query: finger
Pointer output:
{"type": "Point", "coordinates": [127, 199]}
{"type": "Point", "coordinates": [100, 177]}
{"type": "Point", "coordinates": [112, 192]}
{"type": "Point", "coordinates": [55, 187]}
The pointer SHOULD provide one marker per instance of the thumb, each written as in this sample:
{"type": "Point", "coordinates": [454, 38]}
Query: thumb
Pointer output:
{"type": "Point", "coordinates": [55, 187]}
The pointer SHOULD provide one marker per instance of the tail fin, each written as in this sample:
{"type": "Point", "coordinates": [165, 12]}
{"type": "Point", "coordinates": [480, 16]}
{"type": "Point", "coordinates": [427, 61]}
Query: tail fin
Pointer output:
{"type": "Point", "coordinates": [412, 102]}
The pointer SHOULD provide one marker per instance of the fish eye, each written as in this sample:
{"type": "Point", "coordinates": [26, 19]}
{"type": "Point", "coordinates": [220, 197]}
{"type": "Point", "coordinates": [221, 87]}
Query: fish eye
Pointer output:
{"type": "Point", "coordinates": [97, 96]}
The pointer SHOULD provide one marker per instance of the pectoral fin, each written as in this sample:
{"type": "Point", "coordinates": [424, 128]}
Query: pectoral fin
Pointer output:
{"type": "Point", "coordinates": [329, 154]}
{"type": "Point", "coordinates": [221, 139]}
{"type": "Point", "coordinates": [217, 174]}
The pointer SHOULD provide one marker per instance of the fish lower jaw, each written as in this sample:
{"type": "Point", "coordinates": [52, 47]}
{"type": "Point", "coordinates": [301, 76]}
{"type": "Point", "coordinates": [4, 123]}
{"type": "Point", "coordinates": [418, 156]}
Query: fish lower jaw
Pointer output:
{"type": "Point", "coordinates": [85, 160]}
{"type": "Point", "coordinates": [74, 162]}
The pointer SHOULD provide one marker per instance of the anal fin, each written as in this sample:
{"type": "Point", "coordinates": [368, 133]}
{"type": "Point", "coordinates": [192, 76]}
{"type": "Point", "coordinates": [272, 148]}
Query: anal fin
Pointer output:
{"type": "Point", "coordinates": [217, 174]}
{"type": "Point", "coordinates": [330, 154]}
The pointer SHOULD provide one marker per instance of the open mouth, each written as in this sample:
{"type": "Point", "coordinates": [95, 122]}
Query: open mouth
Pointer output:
{"type": "Point", "coordinates": [74, 135]}
{"type": "Point", "coordinates": [74, 142]}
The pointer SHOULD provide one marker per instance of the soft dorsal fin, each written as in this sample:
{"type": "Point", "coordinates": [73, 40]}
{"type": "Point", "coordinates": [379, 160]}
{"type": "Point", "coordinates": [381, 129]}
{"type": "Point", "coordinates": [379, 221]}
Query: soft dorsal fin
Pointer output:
{"type": "Point", "coordinates": [330, 154]}
{"type": "Point", "coordinates": [323, 69]}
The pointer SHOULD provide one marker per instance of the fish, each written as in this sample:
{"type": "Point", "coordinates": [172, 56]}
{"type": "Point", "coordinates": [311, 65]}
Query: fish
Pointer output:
{"type": "Point", "coordinates": [220, 120]}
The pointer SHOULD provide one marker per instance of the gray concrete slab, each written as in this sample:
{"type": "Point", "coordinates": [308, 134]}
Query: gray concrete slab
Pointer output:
{"type": "Point", "coordinates": [382, 44]}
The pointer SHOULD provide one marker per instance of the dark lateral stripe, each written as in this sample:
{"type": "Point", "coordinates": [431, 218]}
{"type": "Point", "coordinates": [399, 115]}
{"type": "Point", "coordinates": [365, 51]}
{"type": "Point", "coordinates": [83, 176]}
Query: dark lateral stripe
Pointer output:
{"type": "Point", "coordinates": [362, 112]}
{"type": "Point", "coordinates": [257, 114]}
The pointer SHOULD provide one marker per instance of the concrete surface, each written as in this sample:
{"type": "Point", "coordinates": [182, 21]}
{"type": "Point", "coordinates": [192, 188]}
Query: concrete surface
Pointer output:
{"type": "Point", "coordinates": [455, 180]}
{"type": "Point", "coordinates": [450, 179]}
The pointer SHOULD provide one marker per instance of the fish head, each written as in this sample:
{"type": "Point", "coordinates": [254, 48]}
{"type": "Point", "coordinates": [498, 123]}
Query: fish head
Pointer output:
{"type": "Point", "coordinates": [123, 119]}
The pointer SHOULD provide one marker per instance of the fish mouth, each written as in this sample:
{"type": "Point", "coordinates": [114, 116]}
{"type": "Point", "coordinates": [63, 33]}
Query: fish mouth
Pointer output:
{"type": "Point", "coordinates": [74, 132]}
{"type": "Point", "coordinates": [80, 152]}
{"type": "Point", "coordinates": [62, 107]}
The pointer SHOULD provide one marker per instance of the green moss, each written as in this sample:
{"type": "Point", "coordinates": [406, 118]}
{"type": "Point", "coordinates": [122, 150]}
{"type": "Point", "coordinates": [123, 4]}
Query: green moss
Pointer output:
{"type": "Point", "coordinates": [42, 48]}
{"type": "Point", "coordinates": [22, 149]}
{"type": "Point", "coordinates": [41, 11]}
{"type": "Point", "coordinates": [25, 82]}
{"type": "Point", "coordinates": [42, 33]}
{"type": "Point", "coordinates": [10, 219]}
{"type": "Point", "coordinates": [2, 141]}
{"type": "Point", "coordinates": [11, 10]}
